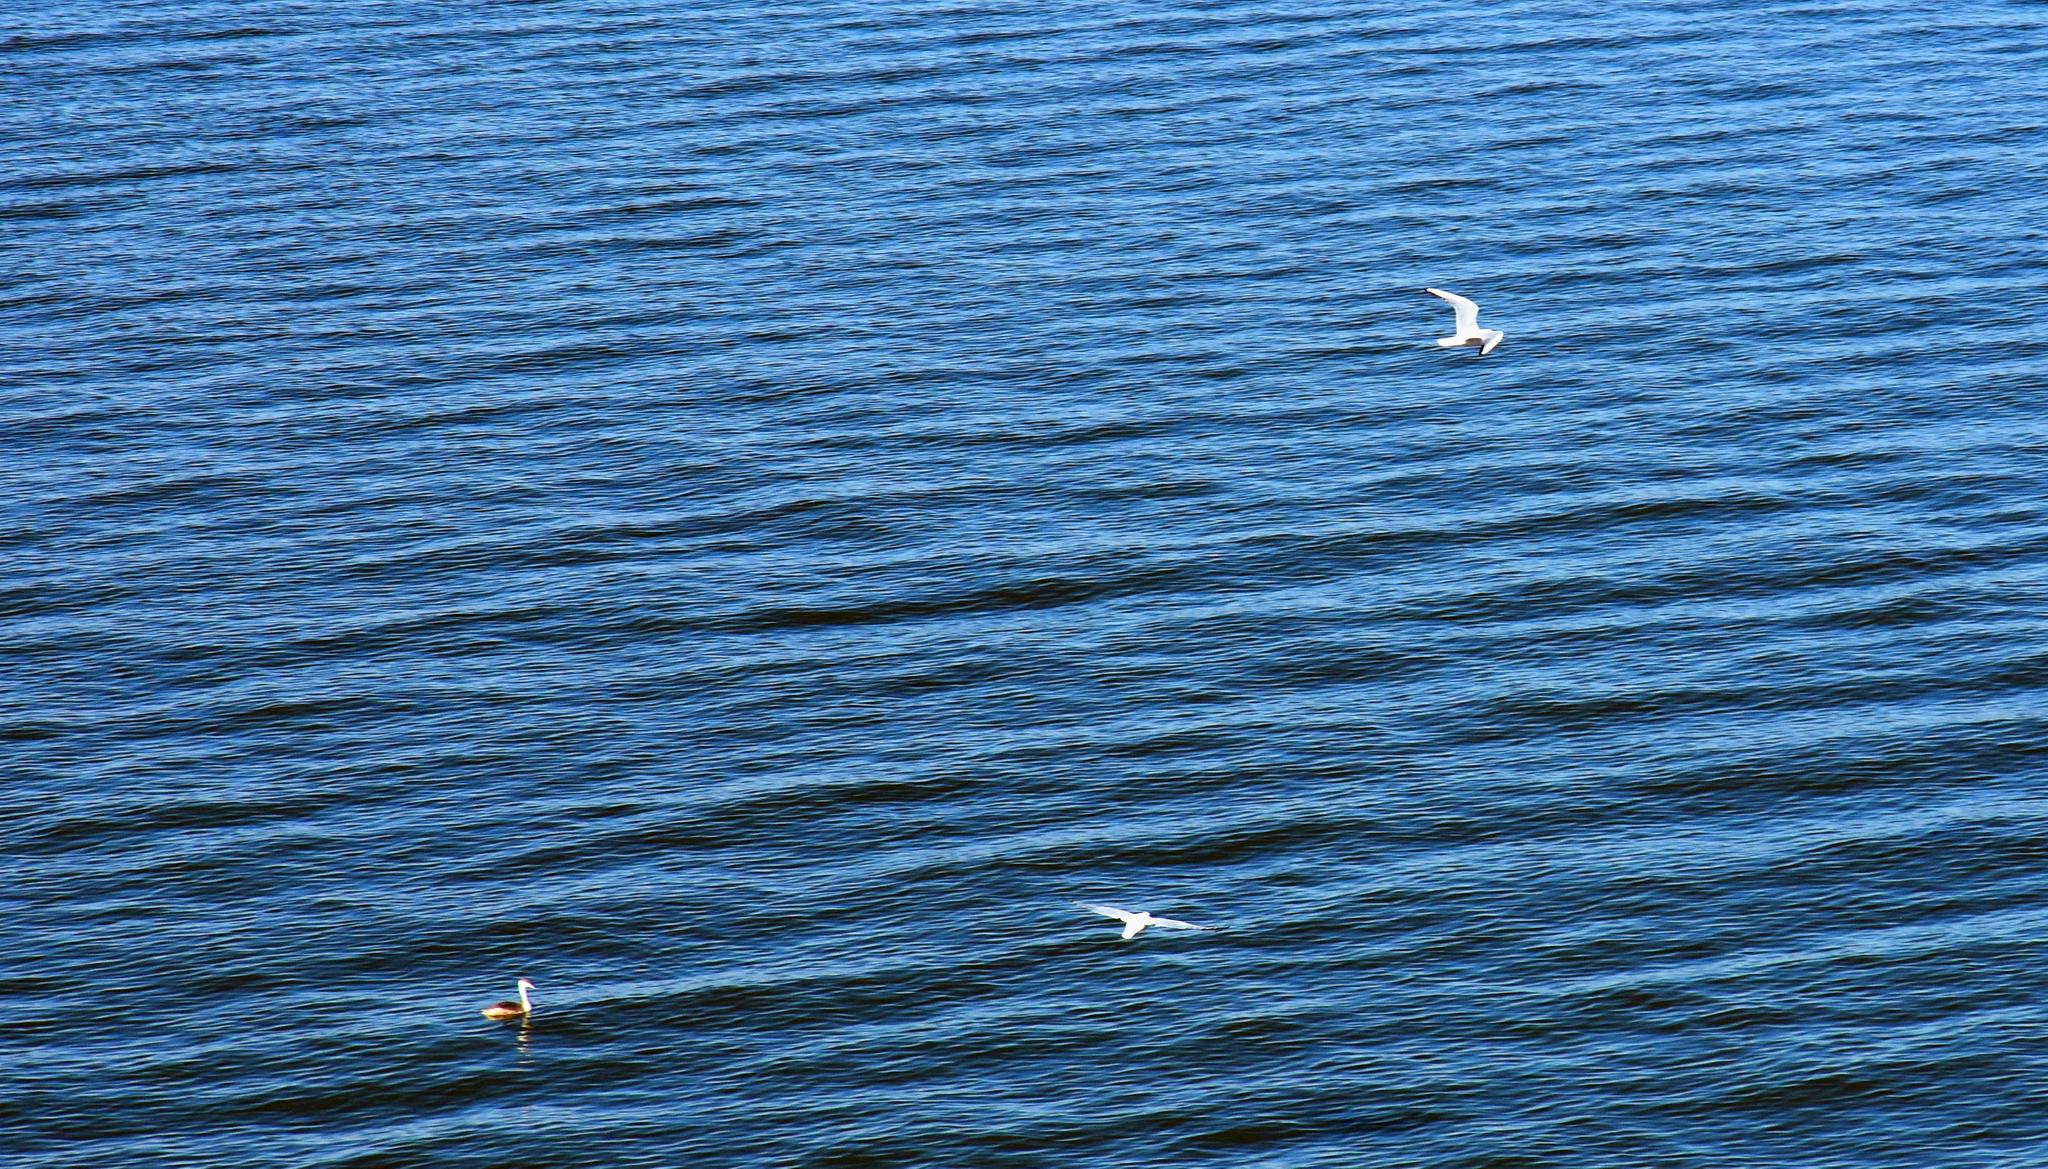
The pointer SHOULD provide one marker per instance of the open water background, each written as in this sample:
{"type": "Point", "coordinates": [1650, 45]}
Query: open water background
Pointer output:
{"type": "Point", "coordinates": [738, 512]}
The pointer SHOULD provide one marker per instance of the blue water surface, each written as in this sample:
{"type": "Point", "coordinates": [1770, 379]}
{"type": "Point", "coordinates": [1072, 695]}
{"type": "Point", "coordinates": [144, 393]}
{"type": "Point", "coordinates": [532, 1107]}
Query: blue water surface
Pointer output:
{"type": "Point", "coordinates": [741, 513]}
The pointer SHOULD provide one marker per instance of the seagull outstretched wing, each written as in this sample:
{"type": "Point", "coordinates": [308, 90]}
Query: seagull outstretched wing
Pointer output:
{"type": "Point", "coordinates": [1170, 924]}
{"type": "Point", "coordinates": [1108, 911]}
{"type": "Point", "coordinates": [1468, 313]}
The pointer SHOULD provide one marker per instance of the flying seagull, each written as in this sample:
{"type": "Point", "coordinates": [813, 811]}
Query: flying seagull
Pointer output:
{"type": "Point", "coordinates": [1135, 923]}
{"type": "Point", "coordinates": [1469, 332]}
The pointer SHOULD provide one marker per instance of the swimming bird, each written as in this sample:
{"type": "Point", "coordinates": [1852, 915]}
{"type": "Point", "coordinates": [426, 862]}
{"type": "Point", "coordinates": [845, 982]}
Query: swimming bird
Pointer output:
{"type": "Point", "coordinates": [1135, 923]}
{"type": "Point", "coordinates": [512, 1010]}
{"type": "Point", "coordinates": [1469, 332]}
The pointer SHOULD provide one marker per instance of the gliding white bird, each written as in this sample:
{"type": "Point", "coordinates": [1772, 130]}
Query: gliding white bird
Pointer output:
{"type": "Point", "coordinates": [1469, 332]}
{"type": "Point", "coordinates": [1135, 923]}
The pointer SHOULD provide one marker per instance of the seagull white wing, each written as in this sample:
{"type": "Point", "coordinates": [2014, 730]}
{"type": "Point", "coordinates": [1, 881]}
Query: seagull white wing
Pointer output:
{"type": "Point", "coordinates": [1108, 911]}
{"type": "Point", "coordinates": [1169, 923]}
{"type": "Point", "coordinates": [1468, 313]}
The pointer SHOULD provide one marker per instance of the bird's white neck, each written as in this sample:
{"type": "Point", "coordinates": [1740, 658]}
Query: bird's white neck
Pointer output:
{"type": "Point", "coordinates": [525, 1004]}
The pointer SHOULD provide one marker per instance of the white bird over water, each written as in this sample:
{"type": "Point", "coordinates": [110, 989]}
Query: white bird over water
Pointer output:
{"type": "Point", "coordinates": [1135, 923]}
{"type": "Point", "coordinates": [1469, 332]}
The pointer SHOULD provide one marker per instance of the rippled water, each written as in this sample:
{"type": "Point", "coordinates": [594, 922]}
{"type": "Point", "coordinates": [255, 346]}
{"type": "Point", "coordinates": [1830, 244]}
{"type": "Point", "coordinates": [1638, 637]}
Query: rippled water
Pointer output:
{"type": "Point", "coordinates": [740, 513]}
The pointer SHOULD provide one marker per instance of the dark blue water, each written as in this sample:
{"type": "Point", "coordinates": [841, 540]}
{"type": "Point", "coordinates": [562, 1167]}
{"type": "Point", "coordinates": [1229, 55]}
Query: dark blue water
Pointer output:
{"type": "Point", "coordinates": [740, 513]}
